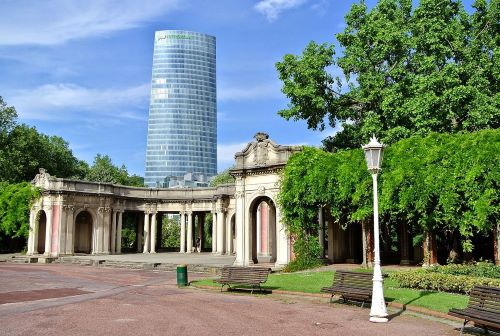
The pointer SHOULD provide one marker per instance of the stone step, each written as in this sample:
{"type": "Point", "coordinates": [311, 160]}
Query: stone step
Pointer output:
{"type": "Point", "coordinates": [22, 259]}
{"type": "Point", "coordinates": [76, 261]}
{"type": "Point", "coordinates": [19, 261]}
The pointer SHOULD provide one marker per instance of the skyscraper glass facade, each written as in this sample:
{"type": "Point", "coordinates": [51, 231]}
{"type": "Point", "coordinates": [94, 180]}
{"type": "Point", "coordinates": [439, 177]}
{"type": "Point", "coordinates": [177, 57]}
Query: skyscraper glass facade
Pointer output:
{"type": "Point", "coordinates": [182, 125]}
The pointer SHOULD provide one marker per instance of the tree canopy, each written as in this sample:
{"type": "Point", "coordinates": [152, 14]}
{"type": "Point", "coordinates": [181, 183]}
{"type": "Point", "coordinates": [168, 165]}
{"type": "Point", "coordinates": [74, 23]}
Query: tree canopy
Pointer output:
{"type": "Point", "coordinates": [224, 177]}
{"type": "Point", "coordinates": [103, 170]}
{"type": "Point", "coordinates": [23, 150]}
{"type": "Point", "coordinates": [405, 71]}
{"type": "Point", "coordinates": [15, 204]}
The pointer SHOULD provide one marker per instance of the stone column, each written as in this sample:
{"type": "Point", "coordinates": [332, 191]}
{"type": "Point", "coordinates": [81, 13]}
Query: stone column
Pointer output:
{"type": "Point", "coordinates": [189, 245]}
{"type": "Point", "coordinates": [321, 231]}
{"type": "Point", "coordinates": [247, 239]}
{"type": "Point", "coordinates": [258, 235]}
{"type": "Point", "coordinates": [119, 233]}
{"type": "Point", "coordinates": [36, 226]}
{"type": "Point", "coordinates": [214, 232]}
{"type": "Point", "coordinates": [370, 241]}
{"type": "Point", "coordinates": [146, 232]}
{"type": "Point", "coordinates": [113, 231]}
{"type": "Point", "coordinates": [282, 242]}
{"type": "Point", "coordinates": [331, 238]}
{"type": "Point", "coordinates": [32, 233]}
{"type": "Point", "coordinates": [62, 228]}
{"type": "Point", "coordinates": [229, 236]}
{"type": "Point", "coordinates": [183, 231]}
{"type": "Point", "coordinates": [99, 231]}
{"type": "Point", "coordinates": [201, 226]}
{"type": "Point", "coordinates": [140, 226]}
{"type": "Point", "coordinates": [70, 229]}
{"type": "Point", "coordinates": [364, 238]}
{"type": "Point", "coordinates": [153, 233]}
{"type": "Point", "coordinates": [220, 231]}
{"type": "Point", "coordinates": [48, 232]}
{"type": "Point", "coordinates": [241, 258]}
{"type": "Point", "coordinates": [350, 246]}
{"type": "Point", "coordinates": [106, 230]}
{"type": "Point", "coordinates": [405, 255]}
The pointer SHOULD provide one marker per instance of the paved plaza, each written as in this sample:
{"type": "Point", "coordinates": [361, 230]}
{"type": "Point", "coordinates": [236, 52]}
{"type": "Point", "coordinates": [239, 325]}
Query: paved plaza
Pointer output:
{"type": "Point", "coordinates": [76, 300]}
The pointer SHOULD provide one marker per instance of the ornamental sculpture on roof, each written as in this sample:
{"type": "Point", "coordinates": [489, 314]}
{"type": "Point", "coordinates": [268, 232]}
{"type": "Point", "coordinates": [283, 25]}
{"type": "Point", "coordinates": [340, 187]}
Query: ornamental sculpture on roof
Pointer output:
{"type": "Point", "coordinates": [261, 136]}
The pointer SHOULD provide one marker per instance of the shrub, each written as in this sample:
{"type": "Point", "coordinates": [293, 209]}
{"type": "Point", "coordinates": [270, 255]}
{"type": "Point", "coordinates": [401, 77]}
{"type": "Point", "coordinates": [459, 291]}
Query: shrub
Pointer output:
{"type": "Point", "coordinates": [306, 254]}
{"type": "Point", "coordinates": [428, 279]}
{"type": "Point", "coordinates": [481, 269]}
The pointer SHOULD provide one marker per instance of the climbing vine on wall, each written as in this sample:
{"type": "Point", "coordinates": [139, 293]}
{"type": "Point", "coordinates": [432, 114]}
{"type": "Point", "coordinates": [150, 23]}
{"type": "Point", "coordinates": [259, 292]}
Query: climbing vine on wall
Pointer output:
{"type": "Point", "coordinates": [437, 182]}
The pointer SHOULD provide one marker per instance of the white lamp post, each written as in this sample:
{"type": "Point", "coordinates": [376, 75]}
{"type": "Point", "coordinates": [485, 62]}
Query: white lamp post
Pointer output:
{"type": "Point", "coordinates": [373, 155]}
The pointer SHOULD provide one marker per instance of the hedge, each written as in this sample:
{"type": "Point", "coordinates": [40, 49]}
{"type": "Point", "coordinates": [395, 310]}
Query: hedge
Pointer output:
{"type": "Point", "coordinates": [480, 269]}
{"type": "Point", "coordinates": [423, 279]}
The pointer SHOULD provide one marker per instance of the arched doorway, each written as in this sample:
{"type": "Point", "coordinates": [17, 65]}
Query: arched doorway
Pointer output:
{"type": "Point", "coordinates": [83, 233]}
{"type": "Point", "coordinates": [42, 227]}
{"type": "Point", "coordinates": [263, 230]}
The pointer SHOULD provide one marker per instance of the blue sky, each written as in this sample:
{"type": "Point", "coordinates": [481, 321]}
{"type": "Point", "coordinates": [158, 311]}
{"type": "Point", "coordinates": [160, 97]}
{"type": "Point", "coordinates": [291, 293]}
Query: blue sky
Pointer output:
{"type": "Point", "coordinates": [82, 69]}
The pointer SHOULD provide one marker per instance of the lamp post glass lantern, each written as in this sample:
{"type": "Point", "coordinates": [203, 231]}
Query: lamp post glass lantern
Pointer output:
{"type": "Point", "coordinates": [373, 155]}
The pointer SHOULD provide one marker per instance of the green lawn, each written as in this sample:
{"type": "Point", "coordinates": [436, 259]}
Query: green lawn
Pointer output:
{"type": "Point", "coordinates": [311, 282]}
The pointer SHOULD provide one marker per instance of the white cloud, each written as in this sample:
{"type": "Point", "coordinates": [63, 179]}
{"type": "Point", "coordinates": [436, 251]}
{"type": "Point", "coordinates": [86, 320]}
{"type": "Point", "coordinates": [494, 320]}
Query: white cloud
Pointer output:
{"type": "Point", "coordinates": [67, 101]}
{"type": "Point", "coordinates": [273, 8]}
{"type": "Point", "coordinates": [271, 90]}
{"type": "Point", "coordinates": [51, 22]}
{"type": "Point", "coordinates": [225, 154]}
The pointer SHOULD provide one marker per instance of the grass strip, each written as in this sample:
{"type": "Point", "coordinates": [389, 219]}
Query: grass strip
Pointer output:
{"type": "Point", "coordinates": [311, 282]}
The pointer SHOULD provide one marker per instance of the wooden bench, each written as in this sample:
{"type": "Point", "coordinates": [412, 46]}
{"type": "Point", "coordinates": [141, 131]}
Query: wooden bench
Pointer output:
{"type": "Point", "coordinates": [483, 308]}
{"type": "Point", "coordinates": [250, 276]}
{"type": "Point", "coordinates": [351, 286]}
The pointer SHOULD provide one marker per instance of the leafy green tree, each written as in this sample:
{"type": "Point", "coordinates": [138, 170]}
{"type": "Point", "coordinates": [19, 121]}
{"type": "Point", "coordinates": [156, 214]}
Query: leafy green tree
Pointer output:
{"type": "Point", "coordinates": [23, 150]}
{"type": "Point", "coordinates": [223, 177]}
{"type": "Point", "coordinates": [8, 116]}
{"type": "Point", "coordinates": [26, 150]}
{"type": "Point", "coordinates": [15, 204]}
{"type": "Point", "coordinates": [432, 68]}
{"type": "Point", "coordinates": [135, 180]}
{"type": "Point", "coordinates": [103, 170]}
{"type": "Point", "coordinates": [129, 231]}
{"type": "Point", "coordinates": [171, 232]}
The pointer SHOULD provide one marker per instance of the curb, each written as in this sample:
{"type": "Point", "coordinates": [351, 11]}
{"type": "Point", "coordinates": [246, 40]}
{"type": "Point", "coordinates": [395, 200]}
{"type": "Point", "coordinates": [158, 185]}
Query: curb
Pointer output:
{"type": "Point", "coordinates": [397, 305]}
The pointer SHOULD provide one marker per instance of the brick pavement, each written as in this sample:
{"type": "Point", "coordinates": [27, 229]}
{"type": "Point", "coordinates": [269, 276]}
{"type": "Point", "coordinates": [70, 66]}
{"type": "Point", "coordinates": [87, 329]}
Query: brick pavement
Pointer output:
{"type": "Point", "coordinates": [129, 302]}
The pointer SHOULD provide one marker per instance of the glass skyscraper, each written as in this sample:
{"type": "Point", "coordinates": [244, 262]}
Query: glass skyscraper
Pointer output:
{"type": "Point", "coordinates": [182, 125]}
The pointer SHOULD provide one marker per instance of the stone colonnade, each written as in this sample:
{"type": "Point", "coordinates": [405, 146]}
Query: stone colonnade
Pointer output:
{"type": "Point", "coordinates": [354, 244]}
{"type": "Point", "coordinates": [236, 225]}
{"type": "Point", "coordinates": [60, 227]}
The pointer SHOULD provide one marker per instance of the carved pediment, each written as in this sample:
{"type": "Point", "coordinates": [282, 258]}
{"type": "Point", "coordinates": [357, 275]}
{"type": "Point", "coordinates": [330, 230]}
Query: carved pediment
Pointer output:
{"type": "Point", "coordinates": [263, 152]}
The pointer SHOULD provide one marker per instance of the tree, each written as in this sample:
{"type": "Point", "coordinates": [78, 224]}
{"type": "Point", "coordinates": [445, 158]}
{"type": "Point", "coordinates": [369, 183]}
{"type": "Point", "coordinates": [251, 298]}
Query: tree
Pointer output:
{"type": "Point", "coordinates": [103, 170]}
{"type": "Point", "coordinates": [432, 68]}
{"type": "Point", "coordinates": [25, 150]}
{"type": "Point", "coordinates": [171, 232]}
{"type": "Point", "coordinates": [8, 116]}
{"type": "Point", "coordinates": [15, 203]}
{"type": "Point", "coordinates": [223, 177]}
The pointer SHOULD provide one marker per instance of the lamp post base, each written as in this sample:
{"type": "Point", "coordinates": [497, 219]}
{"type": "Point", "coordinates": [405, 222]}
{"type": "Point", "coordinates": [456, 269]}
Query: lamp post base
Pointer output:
{"type": "Point", "coordinates": [377, 319]}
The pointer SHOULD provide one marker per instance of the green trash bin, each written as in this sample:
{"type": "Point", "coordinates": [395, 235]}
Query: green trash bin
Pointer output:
{"type": "Point", "coordinates": [182, 275]}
